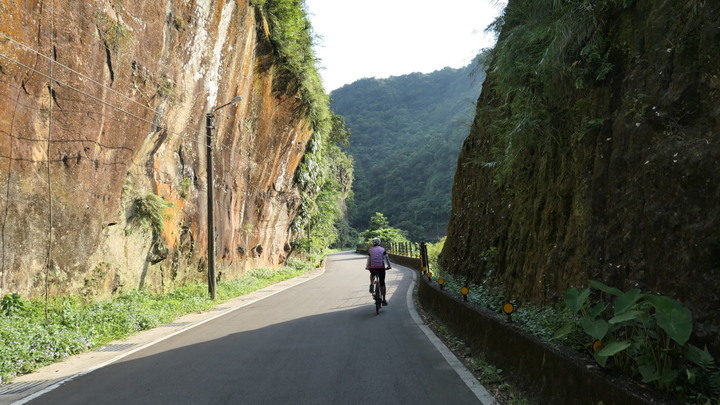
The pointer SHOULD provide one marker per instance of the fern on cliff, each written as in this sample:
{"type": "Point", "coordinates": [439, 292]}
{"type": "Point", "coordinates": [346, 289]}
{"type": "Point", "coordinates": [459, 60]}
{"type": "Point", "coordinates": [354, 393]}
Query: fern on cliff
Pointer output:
{"type": "Point", "coordinates": [150, 211]}
{"type": "Point", "coordinates": [292, 36]}
{"type": "Point", "coordinates": [546, 49]}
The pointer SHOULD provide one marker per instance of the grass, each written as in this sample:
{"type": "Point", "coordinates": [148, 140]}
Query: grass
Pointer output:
{"type": "Point", "coordinates": [28, 342]}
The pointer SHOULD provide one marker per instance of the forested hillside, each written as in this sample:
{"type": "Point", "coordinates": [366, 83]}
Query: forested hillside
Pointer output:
{"type": "Point", "coordinates": [405, 136]}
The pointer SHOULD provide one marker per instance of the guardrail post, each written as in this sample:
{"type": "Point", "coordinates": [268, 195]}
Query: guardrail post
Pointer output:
{"type": "Point", "coordinates": [425, 264]}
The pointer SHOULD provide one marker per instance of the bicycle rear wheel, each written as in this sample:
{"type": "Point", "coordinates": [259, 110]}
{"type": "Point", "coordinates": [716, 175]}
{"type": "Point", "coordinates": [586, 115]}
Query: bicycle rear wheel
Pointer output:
{"type": "Point", "coordinates": [378, 299]}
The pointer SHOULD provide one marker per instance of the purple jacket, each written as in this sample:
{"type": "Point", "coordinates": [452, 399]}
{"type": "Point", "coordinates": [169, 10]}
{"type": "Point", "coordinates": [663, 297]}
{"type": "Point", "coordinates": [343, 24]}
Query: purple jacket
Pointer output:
{"type": "Point", "coordinates": [378, 256]}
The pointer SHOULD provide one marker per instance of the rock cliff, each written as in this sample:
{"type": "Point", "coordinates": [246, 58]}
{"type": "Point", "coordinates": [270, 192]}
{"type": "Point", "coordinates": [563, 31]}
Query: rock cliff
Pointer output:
{"type": "Point", "coordinates": [103, 110]}
{"type": "Point", "coordinates": [595, 154]}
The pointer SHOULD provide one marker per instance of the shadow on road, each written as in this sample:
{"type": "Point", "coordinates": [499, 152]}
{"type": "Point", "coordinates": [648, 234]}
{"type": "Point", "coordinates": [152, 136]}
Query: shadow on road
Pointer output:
{"type": "Point", "coordinates": [273, 352]}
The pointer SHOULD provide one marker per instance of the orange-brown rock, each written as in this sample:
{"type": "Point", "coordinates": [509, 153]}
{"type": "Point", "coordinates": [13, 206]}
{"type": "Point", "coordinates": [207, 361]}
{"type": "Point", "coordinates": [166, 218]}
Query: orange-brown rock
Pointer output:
{"type": "Point", "coordinates": [104, 102]}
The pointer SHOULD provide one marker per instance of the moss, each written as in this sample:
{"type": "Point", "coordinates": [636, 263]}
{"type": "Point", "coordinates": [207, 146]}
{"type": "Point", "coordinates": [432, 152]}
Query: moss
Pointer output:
{"type": "Point", "coordinates": [165, 86]}
{"type": "Point", "coordinates": [613, 180]}
{"type": "Point", "coordinates": [114, 34]}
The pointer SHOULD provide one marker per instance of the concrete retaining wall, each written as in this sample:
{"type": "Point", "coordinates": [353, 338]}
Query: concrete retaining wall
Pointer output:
{"type": "Point", "coordinates": [547, 374]}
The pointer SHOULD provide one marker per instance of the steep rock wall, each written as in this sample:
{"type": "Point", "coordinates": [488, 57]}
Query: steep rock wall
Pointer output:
{"type": "Point", "coordinates": [103, 102]}
{"type": "Point", "coordinates": [625, 187]}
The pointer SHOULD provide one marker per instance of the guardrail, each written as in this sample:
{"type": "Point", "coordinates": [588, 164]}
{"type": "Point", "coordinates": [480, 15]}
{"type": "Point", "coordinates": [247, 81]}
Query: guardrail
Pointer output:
{"type": "Point", "coordinates": [406, 249]}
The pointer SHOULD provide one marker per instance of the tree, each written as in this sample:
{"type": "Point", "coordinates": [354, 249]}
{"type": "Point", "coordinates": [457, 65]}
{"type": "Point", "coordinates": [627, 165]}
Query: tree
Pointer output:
{"type": "Point", "coordinates": [380, 228]}
{"type": "Point", "coordinates": [378, 221]}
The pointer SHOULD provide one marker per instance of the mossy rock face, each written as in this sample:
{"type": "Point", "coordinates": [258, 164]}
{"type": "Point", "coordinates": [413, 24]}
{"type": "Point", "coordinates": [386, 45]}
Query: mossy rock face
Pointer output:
{"type": "Point", "coordinates": [626, 190]}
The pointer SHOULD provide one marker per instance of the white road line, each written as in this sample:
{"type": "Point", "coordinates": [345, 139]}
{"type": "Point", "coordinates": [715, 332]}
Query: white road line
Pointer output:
{"type": "Point", "coordinates": [468, 378]}
{"type": "Point", "coordinates": [297, 281]}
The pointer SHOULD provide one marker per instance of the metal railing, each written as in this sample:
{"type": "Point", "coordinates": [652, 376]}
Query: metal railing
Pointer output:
{"type": "Point", "coordinates": [417, 250]}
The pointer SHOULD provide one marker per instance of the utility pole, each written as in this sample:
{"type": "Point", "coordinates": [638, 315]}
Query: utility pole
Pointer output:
{"type": "Point", "coordinates": [210, 122]}
{"type": "Point", "coordinates": [210, 125]}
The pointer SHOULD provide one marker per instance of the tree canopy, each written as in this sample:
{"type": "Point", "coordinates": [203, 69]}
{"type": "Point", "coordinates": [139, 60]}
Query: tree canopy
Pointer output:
{"type": "Point", "coordinates": [380, 228]}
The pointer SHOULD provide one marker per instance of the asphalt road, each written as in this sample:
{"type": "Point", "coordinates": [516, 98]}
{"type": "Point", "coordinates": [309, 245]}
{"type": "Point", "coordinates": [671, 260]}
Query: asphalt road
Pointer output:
{"type": "Point", "coordinates": [319, 342]}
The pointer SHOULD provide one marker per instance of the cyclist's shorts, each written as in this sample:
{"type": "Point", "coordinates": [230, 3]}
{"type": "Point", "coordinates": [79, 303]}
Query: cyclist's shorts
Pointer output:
{"type": "Point", "coordinates": [381, 273]}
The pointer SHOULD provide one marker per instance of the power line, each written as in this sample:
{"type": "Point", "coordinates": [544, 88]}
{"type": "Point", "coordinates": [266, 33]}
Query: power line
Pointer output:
{"type": "Point", "coordinates": [155, 125]}
{"type": "Point", "coordinates": [55, 62]}
{"type": "Point", "coordinates": [2, 55]}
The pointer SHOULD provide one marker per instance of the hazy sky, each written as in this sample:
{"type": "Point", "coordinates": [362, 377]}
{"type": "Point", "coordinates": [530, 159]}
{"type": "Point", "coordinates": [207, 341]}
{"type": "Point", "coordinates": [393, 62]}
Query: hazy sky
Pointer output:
{"type": "Point", "coordinates": [382, 38]}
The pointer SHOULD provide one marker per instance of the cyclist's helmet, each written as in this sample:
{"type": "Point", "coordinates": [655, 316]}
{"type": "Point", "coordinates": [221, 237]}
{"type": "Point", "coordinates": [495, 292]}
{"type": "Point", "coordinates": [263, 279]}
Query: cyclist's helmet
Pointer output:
{"type": "Point", "coordinates": [376, 241]}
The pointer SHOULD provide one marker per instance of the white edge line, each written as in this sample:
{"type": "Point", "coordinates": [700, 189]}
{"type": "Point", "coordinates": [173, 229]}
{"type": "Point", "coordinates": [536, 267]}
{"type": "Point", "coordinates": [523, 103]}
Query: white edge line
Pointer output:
{"type": "Point", "coordinates": [146, 345]}
{"type": "Point", "coordinates": [468, 378]}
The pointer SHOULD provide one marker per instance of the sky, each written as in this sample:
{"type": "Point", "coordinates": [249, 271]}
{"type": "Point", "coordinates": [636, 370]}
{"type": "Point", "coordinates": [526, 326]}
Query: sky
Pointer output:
{"type": "Point", "coordinates": [383, 38]}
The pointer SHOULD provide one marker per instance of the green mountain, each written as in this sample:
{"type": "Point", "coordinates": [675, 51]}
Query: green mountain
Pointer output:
{"type": "Point", "coordinates": [405, 136]}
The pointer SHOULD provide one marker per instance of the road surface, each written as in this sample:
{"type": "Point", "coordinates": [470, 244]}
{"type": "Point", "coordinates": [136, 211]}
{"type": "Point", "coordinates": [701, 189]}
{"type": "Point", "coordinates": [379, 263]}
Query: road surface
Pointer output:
{"type": "Point", "coordinates": [319, 342]}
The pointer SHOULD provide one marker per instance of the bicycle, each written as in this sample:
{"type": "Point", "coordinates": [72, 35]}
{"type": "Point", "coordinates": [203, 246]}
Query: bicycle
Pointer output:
{"type": "Point", "coordinates": [377, 296]}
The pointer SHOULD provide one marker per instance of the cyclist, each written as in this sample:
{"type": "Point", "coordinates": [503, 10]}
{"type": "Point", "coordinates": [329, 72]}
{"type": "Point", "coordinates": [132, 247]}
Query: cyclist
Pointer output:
{"type": "Point", "coordinates": [376, 263]}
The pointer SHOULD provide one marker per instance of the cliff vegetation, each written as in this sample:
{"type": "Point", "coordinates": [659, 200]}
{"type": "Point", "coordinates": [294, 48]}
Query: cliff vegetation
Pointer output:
{"type": "Point", "coordinates": [593, 156]}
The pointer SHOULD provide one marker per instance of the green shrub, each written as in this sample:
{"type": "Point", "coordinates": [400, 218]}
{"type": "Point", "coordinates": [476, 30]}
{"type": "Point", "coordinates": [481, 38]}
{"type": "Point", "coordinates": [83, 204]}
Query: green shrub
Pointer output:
{"type": "Point", "coordinates": [11, 304]}
{"type": "Point", "coordinates": [643, 335]}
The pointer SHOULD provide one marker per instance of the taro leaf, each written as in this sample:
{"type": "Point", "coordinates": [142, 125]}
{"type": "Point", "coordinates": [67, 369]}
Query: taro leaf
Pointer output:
{"type": "Point", "coordinates": [626, 316]}
{"type": "Point", "coordinates": [669, 375]}
{"type": "Point", "coordinates": [649, 373]}
{"type": "Point", "coordinates": [626, 301]}
{"type": "Point", "coordinates": [662, 303]}
{"type": "Point", "coordinates": [614, 348]}
{"type": "Point", "coordinates": [646, 366]}
{"type": "Point", "coordinates": [604, 288]}
{"type": "Point", "coordinates": [596, 328]}
{"type": "Point", "coordinates": [575, 299]}
{"type": "Point", "coordinates": [673, 317]}
{"type": "Point", "coordinates": [602, 360]}
{"type": "Point", "coordinates": [597, 309]}
{"type": "Point", "coordinates": [564, 331]}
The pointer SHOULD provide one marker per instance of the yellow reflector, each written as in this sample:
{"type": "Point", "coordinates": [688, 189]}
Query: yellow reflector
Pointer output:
{"type": "Point", "coordinates": [508, 308]}
{"type": "Point", "coordinates": [464, 291]}
{"type": "Point", "coordinates": [441, 281]}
